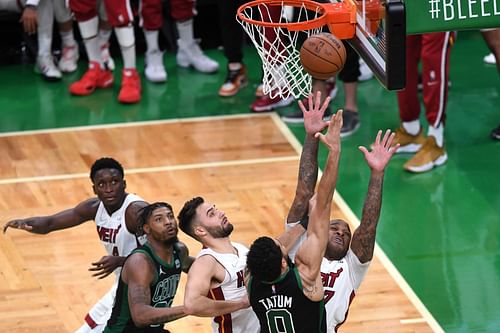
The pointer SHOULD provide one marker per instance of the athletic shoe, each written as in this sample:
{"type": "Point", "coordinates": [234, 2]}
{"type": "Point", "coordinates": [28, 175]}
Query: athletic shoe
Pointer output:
{"type": "Point", "coordinates": [191, 55]}
{"type": "Point", "coordinates": [428, 157]}
{"type": "Point", "coordinates": [490, 59]}
{"type": "Point", "coordinates": [366, 72]}
{"type": "Point", "coordinates": [297, 117]}
{"type": "Point", "coordinates": [69, 59]}
{"type": "Point", "coordinates": [408, 143]}
{"type": "Point", "coordinates": [495, 133]}
{"type": "Point", "coordinates": [94, 77]}
{"type": "Point", "coordinates": [130, 92]}
{"type": "Point", "coordinates": [155, 70]}
{"type": "Point", "coordinates": [235, 80]}
{"type": "Point", "coordinates": [350, 123]}
{"type": "Point", "coordinates": [106, 57]}
{"type": "Point", "coordinates": [266, 103]}
{"type": "Point", "coordinates": [46, 67]}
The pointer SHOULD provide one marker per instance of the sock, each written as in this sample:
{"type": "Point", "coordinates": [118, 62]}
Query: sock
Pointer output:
{"type": "Point", "coordinates": [234, 66]}
{"type": "Point", "coordinates": [185, 30]}
{"type": "Point", "coordinates": [44, 45]}
{"type": "Point", "coordinates": [93, 50]}
{"type": "Point", "coordinates": [88, 30]}
{"type": "Point", "coordinates": [126, 39]}
{"type": "Point", "coordinates": [67, 38]}
{"type": "Point", "coordinates": [412, 127]}
{"type": "Point", "coordinates": [438, 133]}
{"type": "Point", "coordinates": [103, 36]}
{"type": "Point", "coordinates": [151, 40]}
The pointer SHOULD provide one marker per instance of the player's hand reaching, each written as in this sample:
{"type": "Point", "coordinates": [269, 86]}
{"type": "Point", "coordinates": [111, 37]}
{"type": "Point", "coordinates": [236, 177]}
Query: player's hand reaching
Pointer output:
{"type": "Point", "coordinates": [382, 151]}
{"type": "Point", "coordinates": [106, 265]}
{"type": "Point", "coordinates": [18, 224]}
{"type": "Point", "coordinates": [313, 116]}
{"type": "Point", "coordinates": [332, 137]}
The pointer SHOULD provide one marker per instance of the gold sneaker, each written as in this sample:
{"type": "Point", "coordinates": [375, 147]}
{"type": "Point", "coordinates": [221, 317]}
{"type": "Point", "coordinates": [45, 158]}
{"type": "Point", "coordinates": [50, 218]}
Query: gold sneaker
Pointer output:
{"type": "Point", "coordinates": [428, 157]}
{"type": "Point", "coordinates": [408, 143]}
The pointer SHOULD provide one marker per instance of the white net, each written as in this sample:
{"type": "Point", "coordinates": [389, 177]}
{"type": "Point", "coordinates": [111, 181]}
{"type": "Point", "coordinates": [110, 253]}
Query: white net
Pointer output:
{"type": "Point", "coordinates": [279, 47]}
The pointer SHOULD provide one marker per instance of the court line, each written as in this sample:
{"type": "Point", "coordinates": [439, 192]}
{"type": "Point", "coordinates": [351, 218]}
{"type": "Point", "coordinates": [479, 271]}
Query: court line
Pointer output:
{"type": "Point", "coordinates": [412, 321]}
{"type": "Point", "coordinates": [386, 262]}
{"type": "Point", "coordinates": [133, 124]}
{"type": "Point", "coordinates": [156, 169]}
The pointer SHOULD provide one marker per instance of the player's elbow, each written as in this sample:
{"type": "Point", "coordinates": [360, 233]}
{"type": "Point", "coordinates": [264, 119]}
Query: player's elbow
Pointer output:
{"type": "Point", "coordinates": [190, 307]}
{"type": "Point", "coordinates": [140, 320]}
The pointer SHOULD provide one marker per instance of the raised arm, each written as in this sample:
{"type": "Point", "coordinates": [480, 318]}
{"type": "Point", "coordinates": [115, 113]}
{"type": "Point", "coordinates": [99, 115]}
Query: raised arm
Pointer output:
{"type": "Point", "coordinates": [363, 240]}
{"type": "Point", "coordinates": [201, 274]}
{"type": "Point", "coordinates": [138, 273]}
{"type": "Point", "coordinates": [311, 252]}
{"type": "Point", "coordinates": [83, 212]}
{"type": "Point", "coordinates": [308, 167]}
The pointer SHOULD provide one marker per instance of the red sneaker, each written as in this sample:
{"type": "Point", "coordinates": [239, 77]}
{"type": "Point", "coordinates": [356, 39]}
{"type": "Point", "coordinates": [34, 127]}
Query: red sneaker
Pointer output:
{"type": "Point", "coordinates": [94, 77]}
{"type": "Point", "coordinates": [266, 103]}
{"type": "Point", "coordinates": [130, 91]}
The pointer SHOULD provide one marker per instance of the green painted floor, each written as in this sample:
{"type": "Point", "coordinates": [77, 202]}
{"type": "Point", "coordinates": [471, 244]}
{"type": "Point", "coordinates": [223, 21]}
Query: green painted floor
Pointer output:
{"type": "Point", "coordinates": [441, 229]}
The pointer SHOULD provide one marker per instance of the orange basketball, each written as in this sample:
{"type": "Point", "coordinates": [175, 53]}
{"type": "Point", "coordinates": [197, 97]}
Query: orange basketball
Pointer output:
{"type": "Point", "coordinates": [322, 55]}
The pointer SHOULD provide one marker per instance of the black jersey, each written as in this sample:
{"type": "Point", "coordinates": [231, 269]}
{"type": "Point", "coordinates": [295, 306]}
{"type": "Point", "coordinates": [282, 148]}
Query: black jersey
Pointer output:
{"type": "Point", "coordinates": [163, 289]}
{"type": "Point", "coordinates": [281, 305]}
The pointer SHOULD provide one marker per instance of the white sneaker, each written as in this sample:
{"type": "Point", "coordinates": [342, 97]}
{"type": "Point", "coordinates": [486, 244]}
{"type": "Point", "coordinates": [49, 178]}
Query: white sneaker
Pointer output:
{"type": "Point", "coordinates": [366, 72]}
{"type": "Point", "coordinates": [155, 70]}
{"type": "Point", "coordinates": [191, 55]}
{"type": "Point", "coordinates": [69, 59]}
{"type": "Point", "coordinates": [490, 59]}
{"type": "Point", "coordinates": [47, 68]}
{"type": "Point", "coordinates": [106, 57]}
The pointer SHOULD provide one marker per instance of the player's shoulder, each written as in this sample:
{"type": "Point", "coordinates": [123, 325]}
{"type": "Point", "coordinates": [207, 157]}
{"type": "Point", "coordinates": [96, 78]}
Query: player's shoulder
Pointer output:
{"type": "Point", "coordinates": [88, 208]}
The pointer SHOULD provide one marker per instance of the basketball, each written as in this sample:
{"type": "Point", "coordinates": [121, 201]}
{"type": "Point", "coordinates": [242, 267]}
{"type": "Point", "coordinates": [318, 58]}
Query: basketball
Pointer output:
{"type": "Point", "coordinates": [322, 55]}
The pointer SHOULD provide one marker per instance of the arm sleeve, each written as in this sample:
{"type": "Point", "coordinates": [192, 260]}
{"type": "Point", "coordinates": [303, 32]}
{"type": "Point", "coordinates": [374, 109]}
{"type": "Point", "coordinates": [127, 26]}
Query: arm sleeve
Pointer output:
{"type": "Point", "coordinates": [32, 2]}
{"type": "Point", "coordinates": [295, 247]}
{"type": "Point", "coordinates": [357, 270]}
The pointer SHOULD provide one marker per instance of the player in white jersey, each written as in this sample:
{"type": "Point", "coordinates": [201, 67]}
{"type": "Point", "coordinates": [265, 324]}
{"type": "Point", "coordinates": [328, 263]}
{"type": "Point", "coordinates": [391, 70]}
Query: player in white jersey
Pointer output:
{"type": "Point", "coordinates": [345, 263]}
{"type": "Point", "coordinates": [115, 213]}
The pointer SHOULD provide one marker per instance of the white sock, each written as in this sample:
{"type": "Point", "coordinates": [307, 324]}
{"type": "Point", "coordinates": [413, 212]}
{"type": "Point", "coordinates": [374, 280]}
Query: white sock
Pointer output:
{"type": "Point", "coordinates": [438, 133]}
{"type": "Point", "coordinates": [126, 39]}
{"type": "Point", "coordinates": [151, 40]}
{"type": "Point", "coordinates": [185, 30]}
{"type": "Point", "coordinates": [412, 127]}
{"type": "Point", "coordinates": [103, 36]}
{"type": "Point", "coordinates": [93, 50]}
{"type": "Point", "coordinates": [67, 38]}
{"type": "Point", "coordinates": [44, 45]}
{"type": "Point", "coordinates": [234, 66]}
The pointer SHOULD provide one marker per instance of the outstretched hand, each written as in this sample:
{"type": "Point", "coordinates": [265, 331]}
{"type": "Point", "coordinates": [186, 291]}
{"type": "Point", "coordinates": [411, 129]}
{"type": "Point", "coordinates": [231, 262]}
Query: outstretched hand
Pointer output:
{"type": "Point", "coordinates": [106, 265]}
{"type": "Point", "coordinates": [332, 137]}
{"type": "Point", "coordinates": [382, 151]}
{"type": "Point", "coordinates": [313, 118]}
{"type": "Point", "coordinates": [18, 224]}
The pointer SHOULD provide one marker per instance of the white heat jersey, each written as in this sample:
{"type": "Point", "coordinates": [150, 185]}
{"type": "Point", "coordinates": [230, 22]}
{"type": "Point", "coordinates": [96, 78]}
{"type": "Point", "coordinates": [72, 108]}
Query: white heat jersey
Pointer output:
{"type": "Point", "coordinates": [341, 278]}
{"type": "Point", "coordinates": [232, 288]}
{"type": "Point", "coordinates": [112, 230]}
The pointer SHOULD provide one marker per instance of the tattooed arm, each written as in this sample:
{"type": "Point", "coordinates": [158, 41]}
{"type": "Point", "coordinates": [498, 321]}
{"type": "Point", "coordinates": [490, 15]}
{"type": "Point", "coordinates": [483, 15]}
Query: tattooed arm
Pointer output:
{"type": "Point", "coordinates": [363, 240]}
{"type": "Point", "coordinates": [308, 167]}
{"type": "Point", "coordinates": [138, 273]}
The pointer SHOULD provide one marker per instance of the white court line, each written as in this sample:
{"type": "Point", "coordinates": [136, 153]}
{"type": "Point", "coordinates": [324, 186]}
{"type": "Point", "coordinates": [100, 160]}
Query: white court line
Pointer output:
{"type": "Point", "coordinates": [133, 124]}
{"type": "Point", "coordinates": [412, 321]}
{"type": "Point", "coordinates": [156, 169]}
{"type": "Point", "coordinates": [379, 253]}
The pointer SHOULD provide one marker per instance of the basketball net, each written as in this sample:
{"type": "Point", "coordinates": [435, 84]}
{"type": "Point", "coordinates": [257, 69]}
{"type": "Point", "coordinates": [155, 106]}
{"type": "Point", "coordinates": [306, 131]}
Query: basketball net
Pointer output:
{"type": "Point", "coordinates": [277, 46]}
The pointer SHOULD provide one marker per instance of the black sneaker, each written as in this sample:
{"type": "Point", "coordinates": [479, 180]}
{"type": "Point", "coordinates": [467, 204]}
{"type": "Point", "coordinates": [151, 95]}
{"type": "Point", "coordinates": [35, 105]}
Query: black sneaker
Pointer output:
{"type": "Point", "coordinates": [296, 117]}
{"type": "Point", "coordinates": [495, 133]}
{"type": "Point", "coordinates": [350, 120]}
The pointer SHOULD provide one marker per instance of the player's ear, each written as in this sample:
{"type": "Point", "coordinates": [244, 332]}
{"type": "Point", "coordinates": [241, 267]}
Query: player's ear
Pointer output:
{"type": "Point", "coordinates": [199, 231]}
{"type": "Point", "coordinates": [94, 189]}
{"type": "Point", "coordinates": [124, 184]}
{"type": "Point", "coordinates": [146, 228]}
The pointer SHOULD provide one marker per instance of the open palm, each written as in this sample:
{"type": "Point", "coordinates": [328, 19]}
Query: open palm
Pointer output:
{"type": "Point", "coordinates": [382, 151]}
{"type": "Point", "coordinates": [313, 118]}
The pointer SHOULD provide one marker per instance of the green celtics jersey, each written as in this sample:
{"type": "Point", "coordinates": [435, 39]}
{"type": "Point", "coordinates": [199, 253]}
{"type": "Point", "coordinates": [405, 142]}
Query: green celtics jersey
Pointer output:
{"type": "Point", "coordinates": [163, 289]}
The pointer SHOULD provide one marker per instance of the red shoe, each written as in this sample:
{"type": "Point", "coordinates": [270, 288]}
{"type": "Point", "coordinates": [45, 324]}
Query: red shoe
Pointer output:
{"type": "Point", "coordinates": [130, 91]}
{"type": "Point", "coordinates": [93, 78]}
{"type": "Point", "coordinates": [266, 103]}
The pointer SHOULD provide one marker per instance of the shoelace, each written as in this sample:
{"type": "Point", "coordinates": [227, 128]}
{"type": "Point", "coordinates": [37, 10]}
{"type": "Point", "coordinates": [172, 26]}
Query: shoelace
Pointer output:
{"type": "Point", "coordinates": [232, 74]}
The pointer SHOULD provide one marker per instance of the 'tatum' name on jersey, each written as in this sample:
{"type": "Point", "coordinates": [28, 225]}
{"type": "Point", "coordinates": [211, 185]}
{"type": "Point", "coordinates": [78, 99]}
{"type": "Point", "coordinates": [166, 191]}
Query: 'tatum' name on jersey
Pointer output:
{"type": "Point", "coordinates": [276, 301]}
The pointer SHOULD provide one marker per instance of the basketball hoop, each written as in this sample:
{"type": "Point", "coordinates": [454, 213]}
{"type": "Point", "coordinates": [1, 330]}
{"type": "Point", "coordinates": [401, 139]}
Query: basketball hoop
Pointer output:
{"type": "Point", "coordinates": [276, 38]}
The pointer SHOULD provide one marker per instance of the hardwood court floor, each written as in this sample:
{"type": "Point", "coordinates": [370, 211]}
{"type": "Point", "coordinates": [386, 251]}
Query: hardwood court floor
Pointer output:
{"type": "Point", "coordinates": [247, 165]}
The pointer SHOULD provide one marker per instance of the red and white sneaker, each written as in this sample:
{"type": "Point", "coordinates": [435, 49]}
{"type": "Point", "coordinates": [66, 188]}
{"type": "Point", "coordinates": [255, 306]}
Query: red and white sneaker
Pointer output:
{"type": "Point", "coordinates": [69, 59]}
{"type": "Point", "coordinates": [266, 103]}
{"type": "Point", "coordinates": [94, 77]}
{"type": "Point", "coordinates": [130, 92]}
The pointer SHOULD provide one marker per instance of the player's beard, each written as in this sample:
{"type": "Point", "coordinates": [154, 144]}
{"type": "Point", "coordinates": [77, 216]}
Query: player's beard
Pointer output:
{"type": "Point", "coordinates": [221, 232]}
{"type": "Point", "coordinates": [170, 241]}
